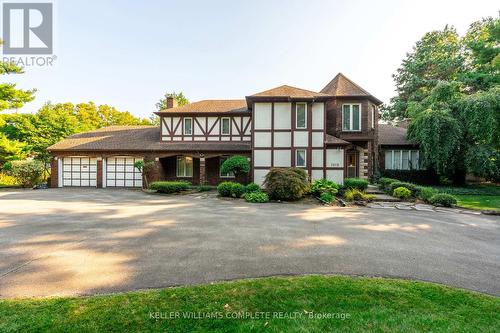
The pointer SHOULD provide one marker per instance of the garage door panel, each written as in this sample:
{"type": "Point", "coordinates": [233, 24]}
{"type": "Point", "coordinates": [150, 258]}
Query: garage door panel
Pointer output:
{"type": "Point", "coordinates": [120, 172]}
{"type": "Point", "coordinates": [79, 171]}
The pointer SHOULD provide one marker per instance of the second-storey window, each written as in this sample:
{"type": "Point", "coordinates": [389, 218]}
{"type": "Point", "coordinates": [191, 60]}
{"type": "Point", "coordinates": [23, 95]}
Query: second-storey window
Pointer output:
{"type": "Point", "coordinates": [188, 126]}
{"type": "Point", "coordinates": [184, 166]}
{"type": "Point", "coordinates": [300, 158]}
{"type": "Point", "coordinates": [300, 115]}
{"type": "Point", "coordinates": [225, 126]}
{"type": "Point", "coordinates": [351, 117]}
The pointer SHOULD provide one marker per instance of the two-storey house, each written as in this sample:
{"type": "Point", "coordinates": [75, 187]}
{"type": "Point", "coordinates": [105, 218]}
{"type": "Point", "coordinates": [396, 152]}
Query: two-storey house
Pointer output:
{"type": "Point", "coordinates": [331, 134]}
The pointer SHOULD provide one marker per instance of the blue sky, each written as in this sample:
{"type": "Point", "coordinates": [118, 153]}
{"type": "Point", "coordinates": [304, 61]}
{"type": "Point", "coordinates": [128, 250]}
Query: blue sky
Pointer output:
{"type": "Point", "coordinates": [128, 53]}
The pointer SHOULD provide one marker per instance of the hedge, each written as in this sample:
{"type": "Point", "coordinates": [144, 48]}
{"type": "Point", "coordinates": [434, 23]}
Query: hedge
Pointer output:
{"type": "Point", "coordinates": [443, 199]}
{"type": "Point", "coordinates": [424, 177]}
{"type": "Point", "coordinates": [170, 187]}
{"type": "Point", "coordinates": [356, 183]}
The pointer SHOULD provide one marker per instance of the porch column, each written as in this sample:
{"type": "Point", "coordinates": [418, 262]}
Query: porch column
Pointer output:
{"type": "Point", "coordinates": [203, 174]}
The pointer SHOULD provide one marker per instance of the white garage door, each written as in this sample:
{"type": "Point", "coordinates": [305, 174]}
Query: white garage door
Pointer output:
{"type": "Point", "coordinates": [120, 172]}
{"type": "Point", "coordinates": [79, 171]}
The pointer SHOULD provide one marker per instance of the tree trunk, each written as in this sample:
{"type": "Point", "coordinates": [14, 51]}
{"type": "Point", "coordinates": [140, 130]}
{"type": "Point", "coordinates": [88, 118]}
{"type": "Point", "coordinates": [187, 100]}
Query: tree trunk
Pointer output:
{"type": "Point", "coordinates": [458, 178]}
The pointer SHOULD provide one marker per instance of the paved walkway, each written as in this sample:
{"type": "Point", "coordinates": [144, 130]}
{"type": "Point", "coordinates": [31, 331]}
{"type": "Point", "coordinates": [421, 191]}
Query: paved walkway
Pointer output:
{"type": "Point", "coordinates": [87, 241]}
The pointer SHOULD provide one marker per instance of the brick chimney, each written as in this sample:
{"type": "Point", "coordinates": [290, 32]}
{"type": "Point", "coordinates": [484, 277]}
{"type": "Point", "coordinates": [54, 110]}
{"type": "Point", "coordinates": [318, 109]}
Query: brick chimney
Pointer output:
{"type": "Point", "coordinates": [171, 103]}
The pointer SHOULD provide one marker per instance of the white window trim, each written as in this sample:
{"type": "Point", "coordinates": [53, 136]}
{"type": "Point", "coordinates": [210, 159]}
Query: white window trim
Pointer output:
{"type": "Point", "coordinates": [177, 167]}
{"type": "Point", "coordinates": [305, 115]}
{"type": "Point", "coordinates": [222, 126]}
{"type": "Point", "coordinates": [305, 158]}
{"type": "Point", "coordinates": [220, 170]}
{"type": "Point", "coordinates": [184, 126]}
{"type": "Point", "coordinates": [400, 166]}
{"type": "Point", "coordinates": [351, 117]}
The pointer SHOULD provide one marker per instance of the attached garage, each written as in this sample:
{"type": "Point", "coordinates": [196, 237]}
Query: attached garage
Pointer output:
{"type": "Point", "coordinates": [120, 172]}
{"type": "Point", "coordinates": [79, 171]}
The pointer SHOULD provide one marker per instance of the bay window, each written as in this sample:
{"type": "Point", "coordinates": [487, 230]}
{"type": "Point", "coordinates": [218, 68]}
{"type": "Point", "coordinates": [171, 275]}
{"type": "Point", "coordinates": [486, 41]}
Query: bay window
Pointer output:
{"type": "Point", "coordinates": [351, 117]}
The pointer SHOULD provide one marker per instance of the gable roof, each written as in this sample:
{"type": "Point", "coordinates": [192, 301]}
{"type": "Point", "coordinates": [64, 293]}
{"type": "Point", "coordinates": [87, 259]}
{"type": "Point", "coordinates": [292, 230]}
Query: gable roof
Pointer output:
{"type": "Point", "coordinates": [137, 138]}
{"type": "Point", "coordinates": [342, 86]}
{"type": "Point", "coordinates": [289, 92]}
{"type": "Point", "coordinates": [389, 135]}
{"type": "Point", "coordinates": [210, 106]}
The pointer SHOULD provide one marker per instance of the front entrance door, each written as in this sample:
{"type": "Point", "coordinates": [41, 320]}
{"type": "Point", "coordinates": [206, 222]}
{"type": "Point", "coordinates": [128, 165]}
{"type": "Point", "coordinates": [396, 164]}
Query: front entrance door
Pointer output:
{"type": "Point", "coordinates": [352, 164]}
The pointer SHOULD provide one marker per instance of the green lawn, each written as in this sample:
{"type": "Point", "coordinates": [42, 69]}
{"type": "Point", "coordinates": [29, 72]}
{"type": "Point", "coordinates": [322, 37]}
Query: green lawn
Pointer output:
{"type": "Point", "coordinates": [480, 197]}
{"type": "Point", "coordinates": [277, 305]}
{"type": "Point", "coordinates": [480, 202]}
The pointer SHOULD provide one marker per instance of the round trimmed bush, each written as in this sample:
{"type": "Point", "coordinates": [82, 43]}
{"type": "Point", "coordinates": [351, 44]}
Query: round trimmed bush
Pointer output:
{"type": "Point", "coordinates": [224, 189]}
{"type": "Point", "coordinates": [409, 186]}
{"type": "Point", "coordinates": [259, 197]}
{"type": "Point", "coordinates": [356, 183]}
{"type": "Point", "coordinates": [443, 199]}
{"type": "Point", "coordinates": [286, 183]}
{"type": "Point", "coordinates": [252, 187]}
{"type": "Point", "coordinates": [237, 190]}
{"type": "Point", "coordinates": [402, 193]}
{"type": "Point", "coordinates": [384, 182]}
{"type": "Point", "coordinates": [236, 164]}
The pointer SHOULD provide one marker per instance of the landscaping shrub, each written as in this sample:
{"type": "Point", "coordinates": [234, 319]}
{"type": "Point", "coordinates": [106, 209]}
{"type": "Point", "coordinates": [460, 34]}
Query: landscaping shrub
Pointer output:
{"type": "Point", "coordinates": [443, 199]}
{"type": "Point", "coordinates": [425, 193]}
{"type": "Point", "coordinates": [7, 180]}
{"type": "Point", "coordinates": [256, 197]}
{"type": "Point", "coordinates": [28, 173]}
{"type": "Point", "coordinates": [224, 189]}
{"type": "Point", "coordinates": [402, 193]}
{"type": "Point", "coordinates": [238, 165]}
{"type": "Point", "coordinates": [409, 186]}
{"type": "Point", "coordinates": [170, 187]}
{"type": "Point", "coordinates": [386, 182]}
{"type": "Point", "coordinates": [327, 197]}
{"type": "Point", "coordinates": [237, 190]}
{"type": "Point", "coordinates": [427, 177]}
{"type": "Point", "coordinates": [356, 183]}
{"type": "Point", "coordinates": [354, 194]}
{"type": "Point", "coordinates": [204, 188]}
{"type": "Point", "coordinates": [286, 183]}
{"type": "Point", "coordinates": [252, 187]}
{"type": "Point", "coordinates": [231, 189]}
{"type": "Point", "coordinates": [321, 186]}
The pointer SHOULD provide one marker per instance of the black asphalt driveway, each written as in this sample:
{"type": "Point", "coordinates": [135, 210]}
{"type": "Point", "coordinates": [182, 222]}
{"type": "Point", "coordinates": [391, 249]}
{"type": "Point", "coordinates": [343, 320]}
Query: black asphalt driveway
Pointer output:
{"type": "Point", "coordinates": [87, 241]}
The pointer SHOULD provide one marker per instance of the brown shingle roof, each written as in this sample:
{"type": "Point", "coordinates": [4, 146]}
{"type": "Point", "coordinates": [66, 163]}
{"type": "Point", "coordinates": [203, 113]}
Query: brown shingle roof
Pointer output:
{"type": "Point", "coordinates": [341, 86]}
{"type": "Point", "coordinates": [137, 138]}
{"type": "Point", "coordinates": [391, 135]}
{"type": "Point", "coordinates": [290, 92]}
{"type": "Point", "coordinates": [330, 139]}
{"type": "Point", "coordinates": [210, 106]}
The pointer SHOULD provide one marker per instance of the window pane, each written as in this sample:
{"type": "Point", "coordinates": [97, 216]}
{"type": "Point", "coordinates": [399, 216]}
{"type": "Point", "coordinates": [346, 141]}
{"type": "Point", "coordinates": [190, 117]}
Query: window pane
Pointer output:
{"type": "Point", "coordinates": [388, 159]}
{"type": "Point", "coordinates": [397, 160]}
{"type": "Point", "coordinates": [414, 160]}
{"type": "Point", "coordinates": [355, 117]}
{"type": "Point", "coordinates": [346, 117]}
{"type": "Point", "coordinates": [225, 125]}
{"type": "Point", "coordinates": [405, 161]}
{"type": "Point", "coordinates": [180, 167]}
{"type": "Point", "coordinates": [301, 115]}
{"type": "Point", "coordinates": [189, 167]}
{"type": "Point", "coordinates": [188, 126]}
{"type": "Point", "coordinates": [301, 158]}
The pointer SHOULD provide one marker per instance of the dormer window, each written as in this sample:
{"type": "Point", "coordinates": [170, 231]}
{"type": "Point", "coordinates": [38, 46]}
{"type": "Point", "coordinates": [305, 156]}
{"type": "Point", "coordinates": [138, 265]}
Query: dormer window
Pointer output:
{"type": "Point", "coordinates": [300, 115]}
{"type": "Point", "coordinates": [351, 117]}
{"type": "Point", "coordinates": [188, 126]}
